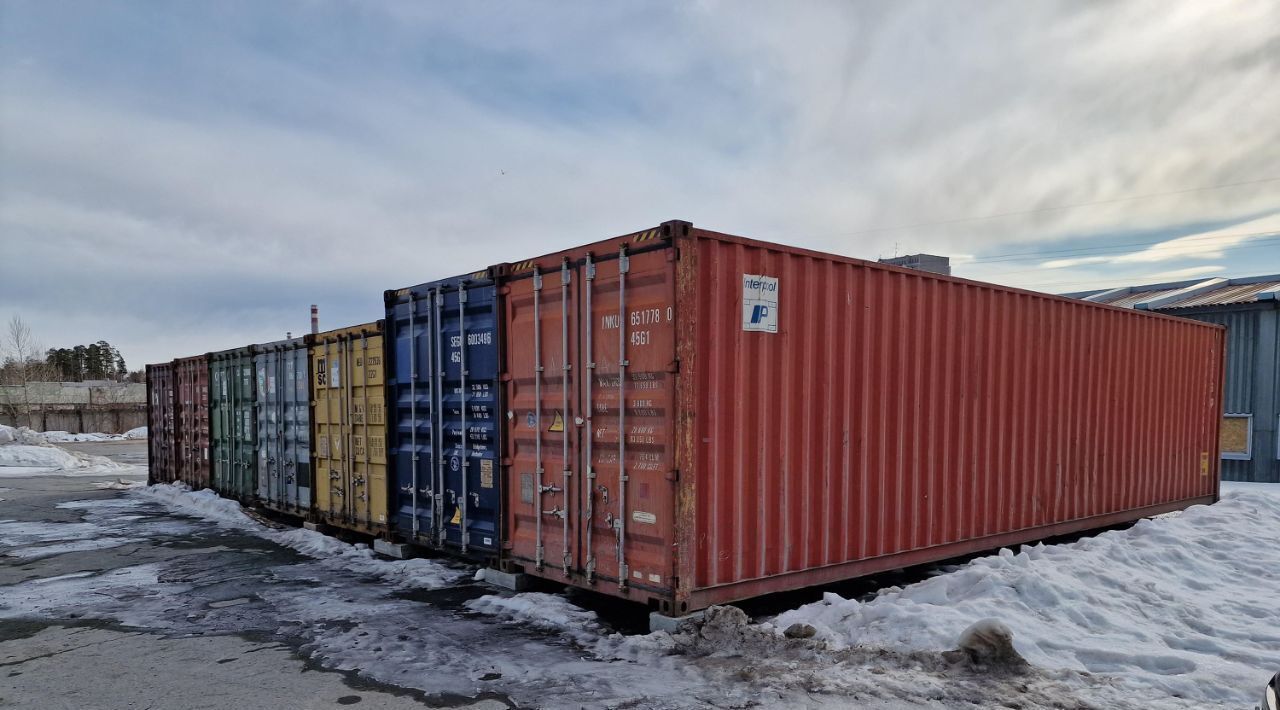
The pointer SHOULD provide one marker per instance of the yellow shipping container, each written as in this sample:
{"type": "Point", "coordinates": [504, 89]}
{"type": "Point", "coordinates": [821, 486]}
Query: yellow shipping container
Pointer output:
{"type": "Point", "coordinates": [349, 428]}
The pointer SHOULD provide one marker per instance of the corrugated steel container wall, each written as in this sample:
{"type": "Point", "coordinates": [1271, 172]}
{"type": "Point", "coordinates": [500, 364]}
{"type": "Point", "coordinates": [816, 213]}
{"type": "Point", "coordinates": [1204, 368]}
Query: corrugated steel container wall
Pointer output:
{"type": "Point", "coordinates": [191, 436]}
{"type": "Point", "coordinates": [444, 362]}
{"type": "Point", "coordinates": [893, 418]}
{"type": "Point", "coordinates": [349, 427]}
{"type": "Point", "coordinates": [161, 447]}
{"type": "Point", "coordinates": [284, 426]}
{"type": "Point", "coordinates": [233, 423]}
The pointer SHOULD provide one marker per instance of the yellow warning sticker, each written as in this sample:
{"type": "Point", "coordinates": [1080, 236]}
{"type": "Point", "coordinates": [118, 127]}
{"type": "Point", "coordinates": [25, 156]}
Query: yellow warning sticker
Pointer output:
{"type": "Point", "coordinates": [557, 424]}
{"type": "Point", "coordinates": [1204, 463]}
{"type": "Point", "coordinates": [457, 517]}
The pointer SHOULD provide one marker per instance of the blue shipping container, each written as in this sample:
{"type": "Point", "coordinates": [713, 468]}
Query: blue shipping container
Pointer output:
{"type": "Point", "coordinates": [444, 361]}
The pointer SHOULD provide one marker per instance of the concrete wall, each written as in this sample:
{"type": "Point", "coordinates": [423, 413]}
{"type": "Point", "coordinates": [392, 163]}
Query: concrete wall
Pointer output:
{"type": "Point", "coordinates": [77, 407]}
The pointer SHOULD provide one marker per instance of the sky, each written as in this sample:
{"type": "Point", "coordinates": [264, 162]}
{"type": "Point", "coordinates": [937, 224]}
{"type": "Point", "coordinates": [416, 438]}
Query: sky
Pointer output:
{"type": "Point", "coordinates": [177, 178]}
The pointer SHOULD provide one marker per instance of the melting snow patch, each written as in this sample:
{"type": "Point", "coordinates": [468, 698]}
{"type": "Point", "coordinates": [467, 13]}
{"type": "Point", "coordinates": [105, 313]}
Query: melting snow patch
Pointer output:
{"type": "Point", "coordinates": [544, 611]}
{"type": "Point", "coordinates": [42, 551]}
{"type": "Point", "coordinates": [334, 553]}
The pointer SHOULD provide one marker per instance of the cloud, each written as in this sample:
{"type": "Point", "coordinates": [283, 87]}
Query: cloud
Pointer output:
{"type": "Point", "coordinates": [190, 177]}
{"type": "Point", "coordinates": [1206, 245]}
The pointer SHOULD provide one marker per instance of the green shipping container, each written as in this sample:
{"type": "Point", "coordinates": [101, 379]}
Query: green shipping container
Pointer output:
{"type": "Point", "coordinates": [233, 423]}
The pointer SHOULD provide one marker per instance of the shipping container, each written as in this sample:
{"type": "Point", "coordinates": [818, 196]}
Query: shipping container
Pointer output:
{"type": "Point", "coordinates": [444, 363]}
{"type": "Point", "coordinates": [191, 434]}
{"type": "Point", "coordinates": [161, 399]}
{"type": "Point", "coordinates": [696, 418]}
{"type": "Point", "coordinates": [284, 426]}
{"type": "Point", "coordinates": [233, 423]}
{"type": "Point", "coordinates": [349, 428]}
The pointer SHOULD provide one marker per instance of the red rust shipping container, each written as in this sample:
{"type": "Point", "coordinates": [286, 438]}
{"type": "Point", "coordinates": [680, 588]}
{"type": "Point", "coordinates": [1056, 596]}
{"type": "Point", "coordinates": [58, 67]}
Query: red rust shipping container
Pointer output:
{"type": "Point", "coordinates": [696, 418]}
{"type": "Point", "coordinates": [160, 423]}
{"type": "Point", "coordinates": [192, 404]}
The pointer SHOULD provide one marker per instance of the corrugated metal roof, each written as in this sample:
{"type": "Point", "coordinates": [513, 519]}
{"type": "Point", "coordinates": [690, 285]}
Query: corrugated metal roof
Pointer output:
{"type": "Point", "coordinates": [1229, 293]}
{"type": "Point", "coordinates": [1128, 300]}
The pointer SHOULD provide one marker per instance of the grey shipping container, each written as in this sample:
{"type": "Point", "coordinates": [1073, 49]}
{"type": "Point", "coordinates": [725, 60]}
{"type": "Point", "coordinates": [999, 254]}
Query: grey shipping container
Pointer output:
{"type": "Point", "coordinates": [284, 426]}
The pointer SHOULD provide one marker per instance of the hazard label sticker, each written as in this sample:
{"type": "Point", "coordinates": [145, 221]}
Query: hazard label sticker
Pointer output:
{"type": "Point", "coordinates": [557, 424]}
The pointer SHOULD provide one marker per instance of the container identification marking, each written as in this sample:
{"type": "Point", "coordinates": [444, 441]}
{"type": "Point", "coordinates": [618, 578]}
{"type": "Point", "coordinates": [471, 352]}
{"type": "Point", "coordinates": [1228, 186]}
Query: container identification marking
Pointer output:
{"type": "Point", "coordinates": [759, 303]}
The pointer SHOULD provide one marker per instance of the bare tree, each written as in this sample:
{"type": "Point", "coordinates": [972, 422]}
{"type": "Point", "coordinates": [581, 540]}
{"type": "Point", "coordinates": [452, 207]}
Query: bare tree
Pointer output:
{"type": "Point", "coordinates": [24, 363]}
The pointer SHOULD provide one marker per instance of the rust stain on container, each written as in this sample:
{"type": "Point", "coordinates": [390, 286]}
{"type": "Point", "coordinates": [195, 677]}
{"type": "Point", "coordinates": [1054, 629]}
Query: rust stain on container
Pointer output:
{"type": "Point", "coordinates": [741, 418]}
{"type": "Point", "coordinates": [191, 440]}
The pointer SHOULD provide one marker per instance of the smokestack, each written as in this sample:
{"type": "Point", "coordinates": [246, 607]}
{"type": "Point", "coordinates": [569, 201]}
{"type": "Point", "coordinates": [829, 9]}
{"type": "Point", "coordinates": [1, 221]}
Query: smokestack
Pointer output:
{"type": "Point", "coordinates": [315, 319]}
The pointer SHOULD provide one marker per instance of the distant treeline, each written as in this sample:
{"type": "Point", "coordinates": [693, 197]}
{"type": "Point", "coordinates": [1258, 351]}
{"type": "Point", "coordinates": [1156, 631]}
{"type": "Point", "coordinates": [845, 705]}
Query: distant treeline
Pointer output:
{"type": "Point", "coordinates": [96, 361]}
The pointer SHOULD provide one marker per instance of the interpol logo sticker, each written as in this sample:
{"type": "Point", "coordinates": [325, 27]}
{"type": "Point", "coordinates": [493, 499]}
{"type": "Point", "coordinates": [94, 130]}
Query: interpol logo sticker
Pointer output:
{"type": "Point", "coordinates": [759, 303]}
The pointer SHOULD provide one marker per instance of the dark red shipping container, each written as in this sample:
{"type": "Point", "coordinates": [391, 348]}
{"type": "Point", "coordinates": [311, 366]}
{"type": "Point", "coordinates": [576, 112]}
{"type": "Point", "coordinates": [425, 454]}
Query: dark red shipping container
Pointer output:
{"type": "Point", "coordinates": [192, 404]}
{"type": "Point", "coordinates": [785, 418]}
{"type": "Point", "coordinates": [160, 423]}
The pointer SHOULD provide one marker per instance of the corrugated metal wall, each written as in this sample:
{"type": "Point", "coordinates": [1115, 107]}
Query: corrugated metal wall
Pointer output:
{"type": "Point", "coordinates": [1252, 384]}
{"type": "Point", "coordinates": [895, 413]}
{"type": "Point", "coordinates": [1242, 337]}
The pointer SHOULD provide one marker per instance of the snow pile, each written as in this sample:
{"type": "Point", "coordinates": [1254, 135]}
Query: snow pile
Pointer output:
{"type": "Point", "coordinates": [543, 611]}
{"type": "Point", "coordinates": [28, 460]}
{"type": "Point", "coordinates": [1184, 604]}
{"type": "Point", "coordinates": [24, 452]}
{"type": "Point", "coordinates": [23, 435]}
{"type": "Point", "coordinates": [66, 437]}
{"type": "Point", "coordinates": [332, 552]}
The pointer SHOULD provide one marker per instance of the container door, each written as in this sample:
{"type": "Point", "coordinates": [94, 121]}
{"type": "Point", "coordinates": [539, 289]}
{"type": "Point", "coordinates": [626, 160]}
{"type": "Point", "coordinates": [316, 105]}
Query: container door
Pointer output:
{"type": "Point", "coordinates": [467, 380]}
{"type": "Point", "coordinates": [591, 367]}
{"type": "Point", "coordinates": [220, 425]}
{"type": "Point", "coordinates": [328, 436]}
{"type": "Point", "coordinates": [244, 428]}
{"type": "Point", "coordinates": [410, 325]}
{"type": "Point", "coordinates": [628, 492]}
{"type": "Point", "coordinates": [543, 434]}
{"type": "Point", "coordinates": [366, 485]}
{"type": "Point", "coordinates": [297, 429]}
{"type": "Point", "coordinates": [270, 482]}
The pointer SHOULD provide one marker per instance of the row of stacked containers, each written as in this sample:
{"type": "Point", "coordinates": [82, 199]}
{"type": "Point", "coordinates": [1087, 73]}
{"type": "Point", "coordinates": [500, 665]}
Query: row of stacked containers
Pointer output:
{"type": "Point", "coordinates": [683, 418]}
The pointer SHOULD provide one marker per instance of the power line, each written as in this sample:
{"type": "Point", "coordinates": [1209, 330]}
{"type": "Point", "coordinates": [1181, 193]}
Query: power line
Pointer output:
{"type": "Point", "coordinates": [1053, 208]}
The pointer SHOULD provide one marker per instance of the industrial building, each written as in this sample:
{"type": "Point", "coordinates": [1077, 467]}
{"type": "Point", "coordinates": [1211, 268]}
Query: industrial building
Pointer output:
{"type": "Point", "coordinates": [1250, 309]}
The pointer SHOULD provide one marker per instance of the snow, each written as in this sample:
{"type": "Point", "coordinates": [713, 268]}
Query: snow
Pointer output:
{"type": "Point", "coordinates": [1184, 605]}
{"type": "Point", "coordinates": [332, 552]}
{"type": "Point", "coordinates": [24, 452]}
{"type": "Point", "coordinates": [64, 437]}
{"type": "Point", "coordinates": [545, 611]}
{"type": "Point", "coordinates": [20, 460]}
{"type": "Point", "coordinates": [23, 435]}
